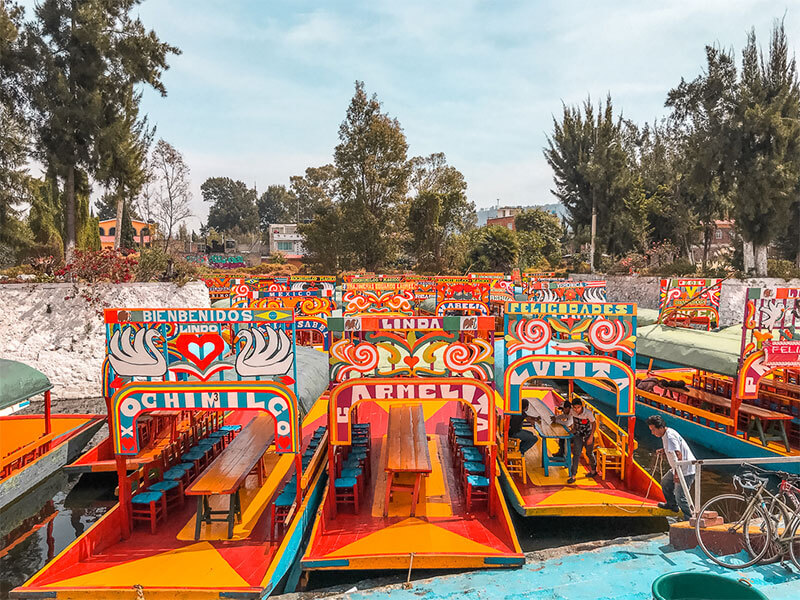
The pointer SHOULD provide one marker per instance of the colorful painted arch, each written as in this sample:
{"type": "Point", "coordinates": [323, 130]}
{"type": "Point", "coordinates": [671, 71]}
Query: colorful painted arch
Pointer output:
{"type": "Point", "coordinates": [136, 398]}
{"type": "Point", "coordinates": [570, 367]}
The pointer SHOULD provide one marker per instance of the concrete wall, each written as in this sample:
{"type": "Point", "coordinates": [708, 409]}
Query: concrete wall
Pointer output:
{"type": "Point", "coordinates": [56, 329]}
{"type": "Point", "coordinates": [644, 291]}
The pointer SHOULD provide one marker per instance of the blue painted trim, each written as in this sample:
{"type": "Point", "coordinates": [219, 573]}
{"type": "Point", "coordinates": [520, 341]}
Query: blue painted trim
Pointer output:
{"type": "Point", "coordinates": [504, 560]}
{"type": "Point", "coordinates": [334, 562]}
{"type": "Point", "coordinates": [708, 437]}
{"type": "Point", "coordinates": [295, 543]}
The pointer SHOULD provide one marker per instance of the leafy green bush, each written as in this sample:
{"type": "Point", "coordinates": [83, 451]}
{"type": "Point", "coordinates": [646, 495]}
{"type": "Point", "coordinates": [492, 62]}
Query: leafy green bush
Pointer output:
{"type": "Point", "coordinates": [153, 265]}
{"type": "Point", "coordinates": [783, 269]}
{"type": "Point", "coordinates": [676, 268]}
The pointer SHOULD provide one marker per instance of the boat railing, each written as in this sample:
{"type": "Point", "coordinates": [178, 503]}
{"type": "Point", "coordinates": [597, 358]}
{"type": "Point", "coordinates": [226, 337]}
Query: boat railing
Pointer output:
{"type": "Point", "coordinates": [695, 412]}
{"type": "Point", "coordinates": [694, 500]}
{"type": "Point", "coordinates": [617, 435]}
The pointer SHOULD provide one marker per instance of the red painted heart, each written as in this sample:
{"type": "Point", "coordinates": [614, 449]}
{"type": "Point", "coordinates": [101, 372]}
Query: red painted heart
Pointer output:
{"type": "Point", "coordinates": [286, 380]}
{"type": "Point", "coordinates": [411, 361]}
{"type": "Point", "coordinates": [192, 345]}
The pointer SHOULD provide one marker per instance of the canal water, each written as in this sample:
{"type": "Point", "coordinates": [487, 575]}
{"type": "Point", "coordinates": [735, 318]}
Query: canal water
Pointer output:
{"type": "Point", "coordinates": [42, 523]}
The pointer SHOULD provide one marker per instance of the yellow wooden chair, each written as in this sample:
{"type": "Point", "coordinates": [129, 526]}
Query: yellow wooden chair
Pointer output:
{"type": "Point", "coordinates": [609, 459]}
{"type": "Point", "coordinates": [515, 461]}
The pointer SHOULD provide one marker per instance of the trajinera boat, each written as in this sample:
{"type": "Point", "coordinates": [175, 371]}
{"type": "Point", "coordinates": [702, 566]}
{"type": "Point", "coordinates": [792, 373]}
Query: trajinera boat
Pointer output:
{"type": "Point", "coordinates": [412, 458]}
{"type": "Point", "coordinates": [217, 503]}
{"type": "Point", "coordinates": [549, 342]}
{"type": "Point", "coordinates": [34, 446]}
{"type": "Point", "coordinates": [735, 391]}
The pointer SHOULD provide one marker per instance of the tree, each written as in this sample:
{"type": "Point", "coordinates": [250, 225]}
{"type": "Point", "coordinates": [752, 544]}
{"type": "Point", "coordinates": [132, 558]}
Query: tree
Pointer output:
{"type": "Point", "coordinates": [310, 191]}
{"type": "Point", "coordinates": [233, 205]}
{"type": "Point", "coordinates": [372, 179]}
{"type": "Point", "coordinates": [45, 215]}
{"type": "Point", "coordinates": [127, 232]}
{"type": "Point", "coordinates": [323, 239]}
{"type": "Point", "coordinates": [496, 249]}
{"type": "Point", "coordinates": [544, 233]}
{"type": "Point", "coordinates": [670, 212]}
{"type": "Point", "coordinates": [82, 53]}
{"type": "Point", "coordinates": [592, 172]}
{"type": "Point", "coordinates": [14, 179]}
{"type": "Point", "coordinates": [173, 194]}
{"type": "Point", "coordinates": [273, 206]}
{"type": "Point", "coordinates": [765, 143]}
{"type": "Point", "coordinates": [123, 145]}
{"type": "Point", "coordinates": [701, 111]}
{"type": "Point", "coordinates": [438, 212]}
{"type": "Point", "coordinates": [14, 134]}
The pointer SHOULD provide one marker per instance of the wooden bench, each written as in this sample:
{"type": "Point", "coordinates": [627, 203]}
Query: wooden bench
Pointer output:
{"type": "Point", "coordinates": [768, 424]}
{"type": "Point", "coordinates": [226, 473]}
{"type": "Point", "coordinates": [406, 451]}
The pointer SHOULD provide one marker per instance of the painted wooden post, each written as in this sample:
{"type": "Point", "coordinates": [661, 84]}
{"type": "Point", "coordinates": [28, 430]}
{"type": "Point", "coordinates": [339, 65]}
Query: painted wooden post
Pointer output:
{"type": "Point", "coordinates": [48, 426]}
{"type": "Point", "coordinates": [298, 467]}
{"type": "Point", "coordinates": [124, 495]}
{"type": "Point", "coordinates": [736, 402]}
{"type": "Point", "coordinates": [631, 446]}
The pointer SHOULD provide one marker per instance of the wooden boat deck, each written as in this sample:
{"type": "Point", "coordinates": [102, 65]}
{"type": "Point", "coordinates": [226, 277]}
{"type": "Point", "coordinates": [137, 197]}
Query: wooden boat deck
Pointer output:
{"type": "Point", "coordinates": [169, 560]}
{"type": "Point", "coordinates": [551, 495]}
{"type": "Point", "coordinates": [441, 534]}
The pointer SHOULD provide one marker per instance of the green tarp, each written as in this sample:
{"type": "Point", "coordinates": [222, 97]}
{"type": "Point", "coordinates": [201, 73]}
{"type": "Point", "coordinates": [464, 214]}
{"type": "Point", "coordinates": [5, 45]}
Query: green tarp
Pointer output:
{"type": "Point", "coordinates": [313, 376]}
{"type": "Point", "coordinates": [19, 382]}
{"type": "Point", "coordinates": [716, 351]}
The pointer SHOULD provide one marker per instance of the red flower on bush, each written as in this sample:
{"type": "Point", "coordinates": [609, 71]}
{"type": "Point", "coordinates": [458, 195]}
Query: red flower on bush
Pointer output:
{"type": "Point", "coordinates": [102, 265]}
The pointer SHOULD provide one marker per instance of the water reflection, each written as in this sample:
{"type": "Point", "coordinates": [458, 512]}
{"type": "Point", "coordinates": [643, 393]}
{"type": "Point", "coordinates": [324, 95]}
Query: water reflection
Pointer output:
{"type": "Point", "coordinates": [46, 520]}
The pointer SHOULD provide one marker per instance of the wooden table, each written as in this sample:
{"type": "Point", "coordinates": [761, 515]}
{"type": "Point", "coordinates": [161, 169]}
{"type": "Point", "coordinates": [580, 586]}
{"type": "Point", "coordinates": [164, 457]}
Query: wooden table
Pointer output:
{"type": "Point", "coordinates": [549, 430]}
{"type": "Point", "coordinates": [406, 451]}
{"type": "Point", "coordinates": [227, 472]}
{"type": "Point", "coordinates": [768, 424]}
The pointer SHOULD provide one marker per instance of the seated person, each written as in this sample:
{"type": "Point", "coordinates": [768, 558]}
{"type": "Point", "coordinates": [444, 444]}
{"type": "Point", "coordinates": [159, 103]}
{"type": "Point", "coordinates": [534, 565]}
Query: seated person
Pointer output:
{"type": "Point", "coordinates": [527, 439]}
{"type": "Point", "coordinates": [565, 419]}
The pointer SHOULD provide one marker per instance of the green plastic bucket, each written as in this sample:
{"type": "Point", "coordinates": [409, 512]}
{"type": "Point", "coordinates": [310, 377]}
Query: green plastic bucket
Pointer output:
{"type": "Point", "coordinates": [703, 586]}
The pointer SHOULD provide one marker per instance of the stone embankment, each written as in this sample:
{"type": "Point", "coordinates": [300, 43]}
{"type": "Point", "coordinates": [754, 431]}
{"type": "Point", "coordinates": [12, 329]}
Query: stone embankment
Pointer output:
{"type": "Point", "coordinates": [644, 291]}
{"type": "Point", "coordinates": [58, 329]}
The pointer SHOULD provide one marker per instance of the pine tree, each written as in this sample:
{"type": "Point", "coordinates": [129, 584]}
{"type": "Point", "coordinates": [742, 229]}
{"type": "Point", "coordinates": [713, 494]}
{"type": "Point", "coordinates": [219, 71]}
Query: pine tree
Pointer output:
{"type": "Point", "coordinates": [766, 143]}
{"type": "Point", "coordinates": [372, 179]}
{"type": "Point", "coordinates": [84, 52]}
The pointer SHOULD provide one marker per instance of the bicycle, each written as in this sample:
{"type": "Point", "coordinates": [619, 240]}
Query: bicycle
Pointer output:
{"type": "Point", "coordinates": [788, 495]}
{"type": "Point", "coordinates": [753, 523]}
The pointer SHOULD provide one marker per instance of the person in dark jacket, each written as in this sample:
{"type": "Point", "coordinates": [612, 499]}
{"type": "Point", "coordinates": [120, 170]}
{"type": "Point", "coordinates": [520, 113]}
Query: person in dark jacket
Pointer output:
{"type": "Point", "coordinates": [527, 439]}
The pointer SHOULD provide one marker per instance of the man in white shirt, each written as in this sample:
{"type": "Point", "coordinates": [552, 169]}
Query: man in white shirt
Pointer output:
{"type": "Point", "coordinates": [675, 449]}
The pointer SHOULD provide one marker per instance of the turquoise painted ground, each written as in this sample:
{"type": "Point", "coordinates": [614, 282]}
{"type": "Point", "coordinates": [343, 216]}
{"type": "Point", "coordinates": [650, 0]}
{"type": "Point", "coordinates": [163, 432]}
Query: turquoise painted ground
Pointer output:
{"type": "Point", "coordinates": [619, 572]}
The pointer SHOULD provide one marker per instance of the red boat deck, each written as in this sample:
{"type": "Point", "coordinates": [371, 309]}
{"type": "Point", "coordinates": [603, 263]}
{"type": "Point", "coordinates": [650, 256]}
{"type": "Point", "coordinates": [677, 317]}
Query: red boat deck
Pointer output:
{"type": "Point", "coordinates": [99, 562]}
{"type": "Point", "coordinates": [441, 535]}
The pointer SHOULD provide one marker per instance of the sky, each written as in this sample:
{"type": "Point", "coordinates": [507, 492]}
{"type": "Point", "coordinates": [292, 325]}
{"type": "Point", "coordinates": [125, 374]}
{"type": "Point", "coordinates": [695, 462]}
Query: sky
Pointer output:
{"type": "Point", "coordinates": [261, 86]}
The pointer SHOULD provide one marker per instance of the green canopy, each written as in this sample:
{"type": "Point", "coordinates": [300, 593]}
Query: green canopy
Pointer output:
{"type": "Point", "coordinates": [645, 317]}
{"type": "Point", "coordinates": [19, 382]}
{"type": "Point", "coordinates": [716, 351]}
{"type": "Point", "coordinates": [223, 303]}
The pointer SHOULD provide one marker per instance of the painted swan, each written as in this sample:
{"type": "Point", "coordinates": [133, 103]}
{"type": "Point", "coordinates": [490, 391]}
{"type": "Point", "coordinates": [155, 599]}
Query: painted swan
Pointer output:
{"type": "Point", "coordinates": [265, 352]}
{"type": "Point", "coordinates": [138, 358]}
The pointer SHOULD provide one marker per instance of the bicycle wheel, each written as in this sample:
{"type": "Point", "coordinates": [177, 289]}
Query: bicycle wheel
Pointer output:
{"type": "Point", "coordinates": [780, 523]}
{"type": "Point", "coordinates": [743, 537]}
{"type": "Point", "coordinates": [794, 542]}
